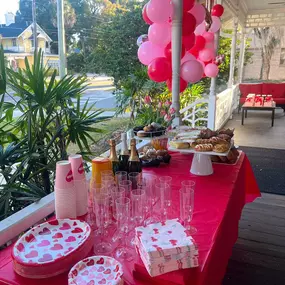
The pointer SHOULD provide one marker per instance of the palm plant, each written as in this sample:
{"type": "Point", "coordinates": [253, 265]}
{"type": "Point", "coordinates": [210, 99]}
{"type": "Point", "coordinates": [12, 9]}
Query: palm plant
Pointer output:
{"type": "Point", "coordinates": [50, 121]}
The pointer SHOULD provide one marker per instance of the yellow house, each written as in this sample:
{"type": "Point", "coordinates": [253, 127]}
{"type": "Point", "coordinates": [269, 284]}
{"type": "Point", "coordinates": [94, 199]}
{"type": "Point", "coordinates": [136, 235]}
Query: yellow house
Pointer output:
{"type": "Point", "coordinates": [18, 43]}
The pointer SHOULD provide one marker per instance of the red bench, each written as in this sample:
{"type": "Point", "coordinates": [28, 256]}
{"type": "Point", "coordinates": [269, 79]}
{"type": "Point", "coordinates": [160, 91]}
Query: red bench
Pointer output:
{"type": "Point", "coordinates": [277, 90]}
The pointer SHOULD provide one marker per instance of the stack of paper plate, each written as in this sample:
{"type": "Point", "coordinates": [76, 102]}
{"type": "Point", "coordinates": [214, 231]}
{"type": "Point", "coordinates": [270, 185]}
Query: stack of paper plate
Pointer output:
{"type": "Point", "coordinates": [52, 248]}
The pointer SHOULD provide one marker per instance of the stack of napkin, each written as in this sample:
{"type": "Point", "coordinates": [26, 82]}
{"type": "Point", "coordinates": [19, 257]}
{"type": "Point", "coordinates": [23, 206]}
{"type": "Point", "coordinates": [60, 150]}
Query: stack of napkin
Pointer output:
{"type": "Point", "coordinates": [165, 247]}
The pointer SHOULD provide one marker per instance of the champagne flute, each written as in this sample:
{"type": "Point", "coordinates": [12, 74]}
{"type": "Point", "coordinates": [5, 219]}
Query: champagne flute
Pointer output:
{"type": "Point", "coordinates": [123, 252]}
{"type": "Point", "coordinates": [187, 208]}
{"type": "Point", "coordinates": [101, 206]}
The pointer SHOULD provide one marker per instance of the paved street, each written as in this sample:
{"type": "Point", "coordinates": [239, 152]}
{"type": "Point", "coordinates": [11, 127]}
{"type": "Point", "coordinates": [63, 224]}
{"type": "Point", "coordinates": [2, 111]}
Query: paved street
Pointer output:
{"type": "Point", "coordinates": [99, 92]}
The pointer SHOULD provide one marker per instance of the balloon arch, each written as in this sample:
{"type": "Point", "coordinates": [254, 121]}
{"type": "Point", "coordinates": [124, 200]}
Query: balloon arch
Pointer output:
{"type": "Point", "coordinates": [198, 55]}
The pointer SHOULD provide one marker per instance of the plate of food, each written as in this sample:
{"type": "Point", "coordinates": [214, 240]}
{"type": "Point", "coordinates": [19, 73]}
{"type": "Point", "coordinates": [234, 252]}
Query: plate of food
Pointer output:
{"type": "Point", "coordinates": [151, 130]}
{"type": "Point", "coordinates": [209, 142]}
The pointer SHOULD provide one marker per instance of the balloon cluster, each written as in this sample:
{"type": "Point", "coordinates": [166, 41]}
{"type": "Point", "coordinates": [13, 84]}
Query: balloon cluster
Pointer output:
{"type": "Point", "coordinates": [198, 56]}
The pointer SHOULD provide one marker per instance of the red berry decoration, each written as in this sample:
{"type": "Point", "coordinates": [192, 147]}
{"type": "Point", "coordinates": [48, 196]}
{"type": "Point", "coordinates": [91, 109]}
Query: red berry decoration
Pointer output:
{"type": "Point", "coordinates": [200, 42]}
{"type": "Point", "coordinates": [168, 51]}
{"type": "Point", "coordinates": [145, 16]}
{"type": "Point", "coordinates": [188, 24]}
{"type": "Point", "coordinates": [188, 5]}
{"type": "Point", "coordinates": [217, 10]}
{"type": "Point", "coordinates": [159, 69]}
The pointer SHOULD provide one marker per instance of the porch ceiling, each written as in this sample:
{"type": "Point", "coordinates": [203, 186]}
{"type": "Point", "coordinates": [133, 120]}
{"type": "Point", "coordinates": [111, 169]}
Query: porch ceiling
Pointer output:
{"type": "Point", "coordinates": [257, 13]}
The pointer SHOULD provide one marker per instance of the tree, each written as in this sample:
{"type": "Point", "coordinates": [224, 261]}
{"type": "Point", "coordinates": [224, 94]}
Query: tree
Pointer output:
{"type": "Point", "coordinates": [116, 51]}
{"type": "Point", "coordinates": [270, 38]}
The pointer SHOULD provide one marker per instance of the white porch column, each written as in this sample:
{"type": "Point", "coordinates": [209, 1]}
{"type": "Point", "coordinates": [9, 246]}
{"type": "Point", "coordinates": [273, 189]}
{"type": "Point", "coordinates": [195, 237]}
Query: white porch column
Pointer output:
{"type": "Point", "coordinates": [176, 57]}
{"type": "Point", "coordinates": [241, 56]}
{"type": "Point", "coordinates": [212, 95]}
{"type": "Point", "coordinates": [233, 53]}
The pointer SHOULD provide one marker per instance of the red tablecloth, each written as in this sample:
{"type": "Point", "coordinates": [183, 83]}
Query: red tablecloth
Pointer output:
{"type": "Point", "coordinates": [219, 200]}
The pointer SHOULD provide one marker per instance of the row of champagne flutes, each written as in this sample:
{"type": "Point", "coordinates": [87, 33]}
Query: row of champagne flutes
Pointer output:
{"type": "Point", "coordinates": [129, 200]}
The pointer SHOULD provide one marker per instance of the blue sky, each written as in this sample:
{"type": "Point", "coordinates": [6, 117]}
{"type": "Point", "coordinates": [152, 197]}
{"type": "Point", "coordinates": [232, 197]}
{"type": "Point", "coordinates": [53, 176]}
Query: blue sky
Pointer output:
{"type": "Point", "coordinates": [7, 6]}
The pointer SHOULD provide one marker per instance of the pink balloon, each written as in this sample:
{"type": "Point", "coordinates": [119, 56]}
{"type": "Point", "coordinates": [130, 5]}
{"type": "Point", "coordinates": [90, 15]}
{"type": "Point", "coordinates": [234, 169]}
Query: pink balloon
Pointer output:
{"type": "Point", "coordinates": [202, 62]}
{"type": "Point", "coordinates": [148, 52]}
{"type": "Point", "coordinates": [192, 71]}
{"type": "Point", "coordinates": [188, 56]}
{"type": "Point", "coordinates": [199, 13]}
{"type": "Point", "coordinates": [159, 11]}
{"type": "Point", "coordinates": [211, 70]}
{"type": "Point", "coordinates": [210, 45]}
{"type": "Point", "coordinates": [200, 29]}
{"type": "Point", "coordinates": [209, 37]}
{"type": "Point", "coordinates": [206, 54]}
{"type": "Point", "coordinates": [160, 34]}
{"type": "Point", "coordinates": [216, 24]}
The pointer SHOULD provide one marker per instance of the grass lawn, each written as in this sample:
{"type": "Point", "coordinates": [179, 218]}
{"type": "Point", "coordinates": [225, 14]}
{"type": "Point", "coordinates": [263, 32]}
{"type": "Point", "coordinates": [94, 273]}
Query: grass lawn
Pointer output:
{"type": "Point", "coordinates": [111, 127]}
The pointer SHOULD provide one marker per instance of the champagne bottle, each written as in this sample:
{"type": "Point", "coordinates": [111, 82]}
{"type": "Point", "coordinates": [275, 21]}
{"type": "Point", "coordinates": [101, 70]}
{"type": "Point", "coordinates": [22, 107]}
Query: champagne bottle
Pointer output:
{"type": "Point", "coordinates": [124, 156]}
{"type": "Point", "coordinates": [113, 157]}
{"type": "Point", "coordinates": [134, 161]}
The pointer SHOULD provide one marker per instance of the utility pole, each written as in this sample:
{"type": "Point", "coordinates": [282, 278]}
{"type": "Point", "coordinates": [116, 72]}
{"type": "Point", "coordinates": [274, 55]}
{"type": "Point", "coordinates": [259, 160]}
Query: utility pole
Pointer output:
{"type": "Point", "coordinates": [35, 34]}
{"type": "Point", "coordinates": [61, 39]}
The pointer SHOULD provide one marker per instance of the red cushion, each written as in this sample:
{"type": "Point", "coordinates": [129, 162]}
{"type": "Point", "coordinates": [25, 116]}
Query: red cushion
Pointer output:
{"type": "Point", "coordinates": [279, 101]}
{"type": "Point", "coordinates": [277, 90]}
{"type": "Point", "coordinates": [251, 88]}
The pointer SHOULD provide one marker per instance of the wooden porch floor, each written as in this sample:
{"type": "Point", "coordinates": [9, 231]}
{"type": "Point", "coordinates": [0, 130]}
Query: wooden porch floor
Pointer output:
{"type": "Point", "coordinates": [259, 254]}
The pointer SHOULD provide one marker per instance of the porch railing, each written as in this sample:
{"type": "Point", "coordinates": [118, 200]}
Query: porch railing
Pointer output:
{"type": "Point", "coordinates": [11, 227]}
{"type": "Point", "coordinates": [226, 102]}
{"type": "Point", "coordinates": [192, 112]}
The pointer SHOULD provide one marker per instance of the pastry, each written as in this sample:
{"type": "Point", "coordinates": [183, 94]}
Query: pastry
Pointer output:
{"type": "Point", "coordinates": [215, 158]}
{"type": "Point", "coordinates": [232, 157]}
{"type": "Point", "coordinates": [224, 137]}
{"type": "Point", "coordinates": [148, 128]}
{"type": "Point", "coordinates": [179, 145]}
{"type": "Point", "coordinates": [207, 133]}
{"type": "Point", "coordinates": [193, 145]}
{"type": "Point", "coordinates": [229, 132]}
{"type": "Point", "coordinates": [151, 153]}
{"type": "Point", "coordinates": [203, 141]}
{"type": "Point", "coordinates": [221, 148]}
{"type": "Point", "coordinates": [142, 134]}
{"type": "Point", "coordinates": [204, 147]}
{"type": "Point", "coordinates": [161, 152]}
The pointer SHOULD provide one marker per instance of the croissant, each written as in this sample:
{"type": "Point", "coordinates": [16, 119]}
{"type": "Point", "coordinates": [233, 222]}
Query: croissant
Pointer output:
{"type": "Point", "coordinates": [224, 137]}
{"type": "Point", "coordinates": [220, 148]}
{"type": "Point", "coordinates": [203, 141]}
{"type": "Point", "coordinates": [204, 147]}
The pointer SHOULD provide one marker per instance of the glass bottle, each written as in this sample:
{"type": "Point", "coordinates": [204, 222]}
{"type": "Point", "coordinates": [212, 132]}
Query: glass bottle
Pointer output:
{"type": "Point", "coordinates": [124, 156]}
{"type": "Point", "coordinates": [113, 157]}
{"type": "Point", "coordinates": [134, 164]}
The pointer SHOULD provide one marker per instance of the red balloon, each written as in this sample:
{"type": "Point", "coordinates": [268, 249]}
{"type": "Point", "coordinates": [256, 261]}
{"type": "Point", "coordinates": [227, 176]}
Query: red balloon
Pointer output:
{"type": "Point", "coordinates": [188, 41]}
{"type": "Point", "coordinates": [183, 84]}
{"type": "Point", "coordinates": [168, 51]}
{"type": "Point", "coordinates": [159, 69]}
{"type": "Point", "coordinates": [188, 24]}
{"type": "Point", "coordinates": [217, 10]}
{"type": "Point", "coordinates": [194, 51]}
{"type": "Point", "coordinates": [145, 16]}
{"type": "Point", "coordinates": [200, 42]}
{"type": "Point", "coordinates": [188, 5]}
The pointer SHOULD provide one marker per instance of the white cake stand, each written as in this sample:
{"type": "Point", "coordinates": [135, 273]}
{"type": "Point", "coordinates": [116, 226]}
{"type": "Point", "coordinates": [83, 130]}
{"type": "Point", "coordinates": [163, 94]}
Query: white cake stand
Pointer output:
{"type": "Point", "coordinates": [201, 163]}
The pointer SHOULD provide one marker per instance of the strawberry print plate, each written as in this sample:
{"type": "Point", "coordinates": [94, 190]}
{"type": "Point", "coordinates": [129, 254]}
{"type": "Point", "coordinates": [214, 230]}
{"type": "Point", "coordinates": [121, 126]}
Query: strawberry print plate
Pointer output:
{"type": "Point", "coordinates": [96, 270]}
{"type": "Point", "coordinates": [53, 242]}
